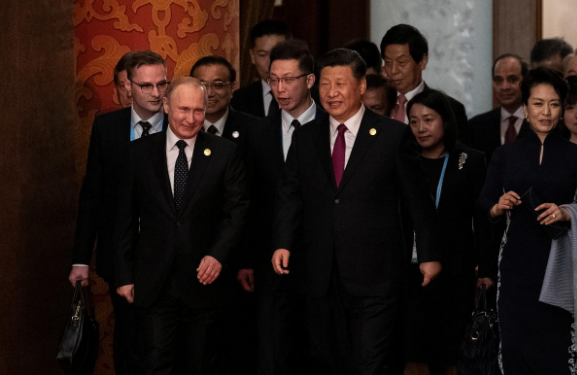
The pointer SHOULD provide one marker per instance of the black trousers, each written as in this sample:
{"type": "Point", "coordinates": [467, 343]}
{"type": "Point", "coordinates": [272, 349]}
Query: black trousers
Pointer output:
{"type": "Point", "coordinates": [124, 342]}
{"type": "Point", "coordinates": [281, 333]}
{"type": "Point", "coordinates": [176, 339]}
{"type": "Point", "coordinates": [351, 335]}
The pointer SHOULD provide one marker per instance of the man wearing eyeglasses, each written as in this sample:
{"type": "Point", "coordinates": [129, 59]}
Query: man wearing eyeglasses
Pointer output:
{"type": "Point", "coordinates": [109, 141]}
{"type": "Point", "coordinates": [282, 343]}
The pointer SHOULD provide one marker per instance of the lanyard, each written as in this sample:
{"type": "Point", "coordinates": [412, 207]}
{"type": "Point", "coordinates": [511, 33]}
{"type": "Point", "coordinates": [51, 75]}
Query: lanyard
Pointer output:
{"type": "Point", "coordinates": [440, 185]}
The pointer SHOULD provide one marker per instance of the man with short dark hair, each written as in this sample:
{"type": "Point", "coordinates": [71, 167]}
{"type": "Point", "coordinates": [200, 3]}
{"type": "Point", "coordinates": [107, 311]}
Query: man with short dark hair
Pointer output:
{"type": "Point", "coordinates": [550, 53]}
{"type": "Point", "coordinates": [109, 142]}
{"type": "Point", "coordinates": [570, 65]}
{"type": "Point", "coordinates": [178, 221]}
{"type": "Point", "coordinates": [347, 175]}
{"type": "Point", "coordinates": [406, 53]}
{"type": "Point", "coordinates": [369, 52]}
{"type": "Point", "coordinates": [257, 99]}
{"type": "Point", "coordinates": [282, 343]}
{"type": "Point", "coordinates": [120, 77]}
{"type": "Point", "coordinates": [380, 97]}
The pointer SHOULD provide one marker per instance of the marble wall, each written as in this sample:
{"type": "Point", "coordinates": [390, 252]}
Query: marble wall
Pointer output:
{"type": "Point", "coordinates": [459, 33]}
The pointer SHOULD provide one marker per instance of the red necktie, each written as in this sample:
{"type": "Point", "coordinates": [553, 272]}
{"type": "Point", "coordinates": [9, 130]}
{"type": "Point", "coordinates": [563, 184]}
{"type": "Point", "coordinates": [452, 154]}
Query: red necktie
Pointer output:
{"type": "Point", "coordinates": [339, 150]}
{"type": "Point", "coordinates": [511, 133]}
{"type": "Point", "coordinates": [401, 109]}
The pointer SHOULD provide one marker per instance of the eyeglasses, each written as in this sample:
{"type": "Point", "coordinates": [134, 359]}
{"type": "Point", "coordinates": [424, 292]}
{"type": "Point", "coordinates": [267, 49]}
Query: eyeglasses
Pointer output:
{"type": "Point", "coordinates": [217, 85]}
{"type": "Point", "coordinates": [285, 80]}
{"type": "Point", "coordinates": [148, 87]}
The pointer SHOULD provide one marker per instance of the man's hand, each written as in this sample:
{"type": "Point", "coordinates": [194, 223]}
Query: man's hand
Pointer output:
{"type": "Point", "coordinates": [208, 270]}
{"type": "Point", "coordinates": [245, 277]}
{"type": "Point", "coordinates": [280, 261]}
{"type": "Point", "coordinates": [79, 273]}
{"type": "Point", "coordinates": [430, 270]}
{"type": "Point", "coordinates": [126, 291]}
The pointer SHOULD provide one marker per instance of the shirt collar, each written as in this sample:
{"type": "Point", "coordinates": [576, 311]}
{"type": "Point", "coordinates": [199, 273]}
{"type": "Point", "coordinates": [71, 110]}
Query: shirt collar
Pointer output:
{"type": "Point", "coordinates": [306, 116]}
{"type": "Point", "coordinates": [171, 140]}
{"type": "Point", "coordinates": [219, 124]}
{"type": "Point", "coordinates": [155, 121]}
{"type": "Point", "coordinates": [265, 88]}
{"type": "Point", "coordinates": [411, 94]}
{"type": "Point", "coordinates": [353, 124]}
{"type": "Point", "coordinates": [518, 113]}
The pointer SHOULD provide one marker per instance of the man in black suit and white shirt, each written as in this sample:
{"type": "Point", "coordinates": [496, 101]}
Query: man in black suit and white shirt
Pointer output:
{"type": "Point", "coordinates": [178, 221]}
{"type": "Point", "coordinates": [282, 343]}
{"type": "Point", "coordinates": [109, 142]}
{"type": "Point", "coordinates": [347, 175]}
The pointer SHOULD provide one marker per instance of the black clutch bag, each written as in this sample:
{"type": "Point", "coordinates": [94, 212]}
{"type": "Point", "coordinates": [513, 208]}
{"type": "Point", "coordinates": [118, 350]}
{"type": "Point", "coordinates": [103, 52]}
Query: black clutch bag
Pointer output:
{"type": "Point", "coordinates": [531, 200]}
{"type": "Point", "coordinates": [79, 345]}
{"type": "Point", "coordinates": [480, 346]}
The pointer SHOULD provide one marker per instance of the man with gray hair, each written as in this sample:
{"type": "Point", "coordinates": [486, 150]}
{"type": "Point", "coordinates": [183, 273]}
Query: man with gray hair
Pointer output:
{"type": "Point", "coordinates": [178, 221]}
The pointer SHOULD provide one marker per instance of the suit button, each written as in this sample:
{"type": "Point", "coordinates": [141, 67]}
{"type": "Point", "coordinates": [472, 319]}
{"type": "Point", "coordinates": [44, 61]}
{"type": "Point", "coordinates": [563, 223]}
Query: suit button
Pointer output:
{"type": "Point", "coordinates": [337, 201]}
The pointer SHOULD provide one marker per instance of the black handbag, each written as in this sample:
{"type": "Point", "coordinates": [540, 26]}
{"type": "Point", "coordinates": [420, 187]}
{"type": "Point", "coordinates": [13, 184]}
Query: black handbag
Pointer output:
{"type": "Point", "coordinates": [480, 346]}
{"type": "Point", "coordinates": [79, 345]}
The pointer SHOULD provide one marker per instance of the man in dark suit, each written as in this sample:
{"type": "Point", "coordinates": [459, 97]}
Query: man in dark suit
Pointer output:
{"type": "Point", "coordinates": [175, 231]}
{"type": "Point", "coordinates": [347, 176]}
{"type": "Point", "coordinates": [109, 142]}
{"type": "Point", "coordinates": [282, 343]}
{"type": "Point", "coordinates": [406, 53]}
{"type": "Point", "coordinates": [257, 99]}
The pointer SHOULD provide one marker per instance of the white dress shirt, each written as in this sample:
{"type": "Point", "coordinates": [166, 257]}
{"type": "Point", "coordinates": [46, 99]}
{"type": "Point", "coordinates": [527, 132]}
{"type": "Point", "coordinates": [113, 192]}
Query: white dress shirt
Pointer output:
{"type": "Point", "coordinates": [219, 125]}
{"type": "Point", "coordinates": [505, 121]}
{"type": "Point", "coordinates": [410, 95]}
{"type": "Point", "coordinates": [288, 129]}
{"type": "Point", "coordinates": [172, 152]}
{"type": "Point", "coordinates": [155, 123]}
{"type": "Point", "coordinates": [266, 95]}
{"type": "Point", "coordinates": [353, 124]}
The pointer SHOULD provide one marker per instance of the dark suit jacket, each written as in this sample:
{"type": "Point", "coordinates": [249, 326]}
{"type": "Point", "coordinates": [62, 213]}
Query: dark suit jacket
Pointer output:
{"type": "Point", "coordinates": [109, 143]}
{"type": "Point", "coordinates": [171, 243]}
{"type": "Point", "coordinates": [358, 224]}
{"type": "Point", "coordinates": [460, 115]}
{"type": "Point", "coordinates": [485, 132]}
{"type": "Point", "coordinates": [240, 123]}
{"type": "Point", "coordinates": [249, 99]}
{"type": "Point", "coordinates": [266, 166]}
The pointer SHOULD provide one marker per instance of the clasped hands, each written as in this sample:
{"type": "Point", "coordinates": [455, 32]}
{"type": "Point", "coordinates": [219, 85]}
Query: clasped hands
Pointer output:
{"type": "Point", "coordinates": [280, 263]}
{"type": "Point", "coordinates": [552, 213]}
{"type": "Point", "coordinates": [207, 272]}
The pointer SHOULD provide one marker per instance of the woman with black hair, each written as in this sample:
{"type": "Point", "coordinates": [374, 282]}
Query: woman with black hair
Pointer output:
{"type": "Point", "coordinates": [570, 111]}
{"type": "Point", "coordinates": [526, 182]}
{"type": "Point", "coordinates": [437, 315]}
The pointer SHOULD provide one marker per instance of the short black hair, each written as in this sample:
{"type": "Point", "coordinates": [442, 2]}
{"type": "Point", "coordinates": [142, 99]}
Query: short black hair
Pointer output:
{"type": "Point", "coordinates": [269, 27]}
{"type": "Point", "coordinates": [215, 60]}
{"type": "Point", "coordinates": [572, 90]}
{"type": "Point", "coordinates": [368, 51]}
{"type": "Point", "coordinates": [121, 65]}
{"type": "Point", "coordinates": [548, 48]}
{"type": "Point", "coordinates": [294, 49]}
{"type": "Point", "coordinates": [140, 58]}
{"type": "Point", "coordinates": [377, 81]}
{"type": "Point", "coordinates": [523, 63]}
{"type": "Point", "coordinates": [344, 57]}
{"type": "Point", "coordinates": [542, 75]}
{"type": "Point", "coordinates": [406, 34]}
{"type": "Point", "coordinates": [438, 101]}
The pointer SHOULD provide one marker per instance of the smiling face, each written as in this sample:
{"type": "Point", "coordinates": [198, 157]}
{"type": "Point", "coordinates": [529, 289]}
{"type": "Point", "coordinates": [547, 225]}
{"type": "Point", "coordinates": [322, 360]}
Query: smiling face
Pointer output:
{"type": "Point", "coordinates": [507, 79]}
{"type": "Point", "coordinates": [147, 105]}
{"type": "Point", "coordinates": [341, 92]}
{"type": "Point", "coordinates": [403, 72]}
{"type": "Point", "coordinates": [543, 109]}
{"type": "Point", "coordinates": [427, 126]}
{"type": "Point", "coordinates": [185, 110]}
{"type": "Point", "coordinates": [218, 98]}
{"type": "Point", "coordinates": [293, 96]}
{"type": "Point", "coordinates": [260, 53]}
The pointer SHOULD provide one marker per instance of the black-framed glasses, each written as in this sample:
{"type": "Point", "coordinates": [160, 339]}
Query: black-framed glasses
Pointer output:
{"type": "Point", "coordinates": [216, 85]}
{"type": "Point", "coordinates": [148, 87]}
{"type": "Point", "coordinates": [285, 80]}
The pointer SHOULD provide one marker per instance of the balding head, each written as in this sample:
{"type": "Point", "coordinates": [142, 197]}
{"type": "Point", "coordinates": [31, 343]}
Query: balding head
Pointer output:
{"type": "Point", "coordinates": [186, 81]}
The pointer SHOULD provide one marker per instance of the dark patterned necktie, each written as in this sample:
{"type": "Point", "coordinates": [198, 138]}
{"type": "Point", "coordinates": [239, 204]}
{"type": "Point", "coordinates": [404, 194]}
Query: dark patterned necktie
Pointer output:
{"type": "Point", "coordinates": [511, 133]}
{"type": "Point", "coordinates": [180, 174]}
{"type": "Point", "coordinates": [212, 129]}
{"type": "Point", "coordinates": [339, 150]}
{"type": "Point", "coordinates": [145, 128]}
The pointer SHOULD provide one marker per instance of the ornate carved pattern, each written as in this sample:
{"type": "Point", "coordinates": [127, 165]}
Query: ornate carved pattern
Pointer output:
{"type": "Point", "coordinates": [86, 12]}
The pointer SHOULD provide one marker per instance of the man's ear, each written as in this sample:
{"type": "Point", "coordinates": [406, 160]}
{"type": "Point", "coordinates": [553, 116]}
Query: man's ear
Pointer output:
{"type": "Point", "coordinates": [310, 81]}
{"type": "Point", "coordinates": [165, 105]}
{"type": "Point", "coordinates": [424, 61]}
{"type": "Point", "coordinates": [251, 52]}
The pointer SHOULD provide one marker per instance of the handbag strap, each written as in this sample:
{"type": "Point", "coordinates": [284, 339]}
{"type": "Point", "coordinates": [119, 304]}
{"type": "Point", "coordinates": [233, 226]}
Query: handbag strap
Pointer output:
{"type": "Point", "coordinates": [481, 299]}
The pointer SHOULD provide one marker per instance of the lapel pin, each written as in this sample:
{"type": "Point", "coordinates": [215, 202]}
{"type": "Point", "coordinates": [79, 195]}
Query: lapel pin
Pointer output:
{"type": "Point", "coordinates": [373, 131]}
{"type": "Point", "coordinates": [207, 151]}
{"type": "Point", "coordinates": [235, 134]}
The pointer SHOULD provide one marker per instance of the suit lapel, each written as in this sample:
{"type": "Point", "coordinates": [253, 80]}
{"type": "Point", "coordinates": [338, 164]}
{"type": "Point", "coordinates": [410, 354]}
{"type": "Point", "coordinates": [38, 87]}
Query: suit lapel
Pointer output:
{"type": "Point", "coordinates": [322, 140]}
{"type": "Point", "coordinates": [495, 133]}
{"type": "Point", "coordinates": [278, 142]}
{"type": "Point", "coordinates": [197, 167]}
{"type": "Point", "coordinates": [161, 170]}
{"type": "Point", "coordinates": [231, 125]}
{"type": "Point", "coordinates": [362, 144]}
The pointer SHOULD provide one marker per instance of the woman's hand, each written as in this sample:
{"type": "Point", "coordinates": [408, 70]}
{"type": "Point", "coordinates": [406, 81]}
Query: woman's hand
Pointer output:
{"type": "Point", "coordinates": [506, 202]}
{"type": "Point", "coordinates": [487, 281]}
{"type": "Point", "coordinates": [552, 214]}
